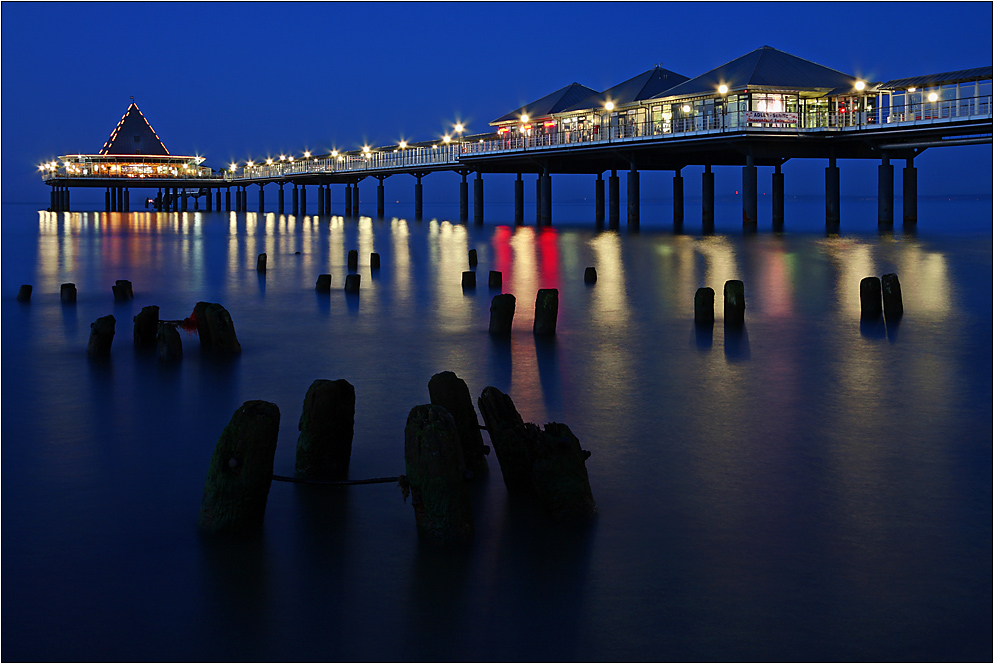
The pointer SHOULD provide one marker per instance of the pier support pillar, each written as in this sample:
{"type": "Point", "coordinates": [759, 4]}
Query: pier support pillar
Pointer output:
{"type": "Point", "coordinates": [295, 207]}
{"type": "Point", "coordinates": [613, 201]}
{"type": "Point", "coordinates": [885, 194]}
{"type": "Point", "coordinates": [120, 199]}
{"type": "Point", "coordinates": [185, 201]}
{"type": "Point", "coordinates": [707, 199]}
{"type": "Point", "coordinates": [832, 197]}
{"type": "Point", "coordinates": [750, 196]}
{"type": "Point", "coordinates": [208, 200]}
{"type": "Point", "coordinates": [633, 198]}
{"type": "Point", "coordinates": [107, 200]}
{"type": "Point", "coordinates": [380, 196]}
{"type": "Point", "coordinates": [218, 199]}
{"type": "Point", "coordinates": [463, 197]}
{"type": "Point", "coordinates": [478, 198]}
{"type": "Point", "coordinates": [599, 201]}
{"type": "Point", "coordinates": [418, 198]}
{"type": "Point", "coordinates": [262, 199]}
{"type": "Point", "coordinates": [303, 201]}
{"type": "Point", "coordinates": [546, 199]}
{"type": "Point", "coordinates": [127, 200]}
{"type": "Point", "coordinates": [280, 199]}
{"type": "Point", "coordinates": [778, 198]}
{"type": "Point", "coordinates": [910, 181]}
{"type": "Point", "coordinates": [227, 199]}
{"type": "Point", "coordinates": [538, 200]}
{"type": "Point", "coordinates": [678, 208]}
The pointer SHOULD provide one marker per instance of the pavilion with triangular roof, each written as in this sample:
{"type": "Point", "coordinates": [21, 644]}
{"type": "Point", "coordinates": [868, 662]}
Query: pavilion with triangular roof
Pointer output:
{"type": "Point", "coordinates": [133, 135]}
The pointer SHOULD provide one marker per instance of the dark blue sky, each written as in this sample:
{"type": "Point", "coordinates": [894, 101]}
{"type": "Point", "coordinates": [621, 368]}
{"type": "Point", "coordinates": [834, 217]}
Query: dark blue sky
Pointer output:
{"type": "Point", "coordinates": [234, 81]}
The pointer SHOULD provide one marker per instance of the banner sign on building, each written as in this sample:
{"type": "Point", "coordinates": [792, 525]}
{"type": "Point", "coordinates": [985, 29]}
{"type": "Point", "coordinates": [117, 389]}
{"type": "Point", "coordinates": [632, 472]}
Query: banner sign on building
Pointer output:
{"type": "Point", "coordinates": [771, 116]}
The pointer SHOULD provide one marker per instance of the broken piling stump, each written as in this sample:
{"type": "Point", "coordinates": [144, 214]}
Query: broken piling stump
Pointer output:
{"type": "Point", "coordinates": [146, 327]}
{"type": "Point", "coordinates": [512, 442]}
{"type": "Point", "coordinates": [24, 293]}
{"type": "Point", "coordinates": [374, 261]}
{"type": "Point", "coordinates": [327, 425]}
{"type": "Point", "coordinates": [241, 471]}
{"type": "Point", "coordinates": [590, 275]}
{"type": "Point", "coordinates": [435, 474]}
{"type": "Point", "coordinates": [260, 263]}
{"type": "Point", "coordinates": [101, 337]}
{"type": "Point", "coordinates": [704, 306]}
{"type": "Point", "coordinates": [352, 283]}
{"type": "Point", "coordinates": [215, 328]}
{"type": "Point", "coordinates": [546, 311]}
{"type": "Point", "coordinates": [67, 293]}
{"type": "Point", "coordinates": [449, 391]}
{"type": "Point", "coordinates": [501, 314]}
{"type": "Point", "coordinates": [870, 298]}
{"type": "Point", "coordinates": [469, 279]}
{"type": "Point", "coordinates": [472, 258]}
{"type": "Point", "coordinates": [323, 284]}
{"type": "Point", "coordinates": [169, 342]}
{"type": "Point", "coordinates": [353, 259]}
{"type": "Point", "coordinates": [734, 302]}
{"type": "Point", "coordinates": [123, 290]}
{"type": "Point", "coordinates": [893, 302]}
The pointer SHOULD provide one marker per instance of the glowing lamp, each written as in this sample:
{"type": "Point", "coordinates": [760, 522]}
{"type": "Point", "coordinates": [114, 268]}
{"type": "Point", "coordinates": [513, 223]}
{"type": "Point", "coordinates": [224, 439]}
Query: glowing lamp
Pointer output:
{"type": "Point", "coordinates": [524, 117]}
{"type": "Point", "coordinates": [403, 144]}
{"type": "Point", "coordinates": [446, 138]}
{"type": "Point", "coordinates": [860, 85]}
{"type": "Point", "coordinates": [334, 153]}
{"type": "Point", "coordinates": [609, 106]}
{"type": "Point", "coordinates": [459, 128]}
{"type": "Point", "coordinates": [269, 161]}
{"type": "Point", "coordinates": [233, 166]}
{"type": "Point", "coordinates": [250, 164]}
{"type": "Point", "coordinates": [306, 154]}
{"type": "Point", "coordinates": [686, 108]}
{"type": "Point", "coordinates": [722, 89]}
{"type": "Point", "coordinates": [933, 97]}
{"type": "Point", "coordinates": [912, 89]}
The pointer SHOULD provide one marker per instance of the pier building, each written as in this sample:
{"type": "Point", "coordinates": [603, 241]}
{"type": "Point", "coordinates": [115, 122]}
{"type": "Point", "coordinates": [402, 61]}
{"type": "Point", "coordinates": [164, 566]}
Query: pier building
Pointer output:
{"type": "Point", "coordinates": [757, 111]}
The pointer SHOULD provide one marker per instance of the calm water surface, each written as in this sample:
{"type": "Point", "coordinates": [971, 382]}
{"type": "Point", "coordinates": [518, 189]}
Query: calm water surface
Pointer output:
{"type": "Point", "coordinates": [804, 490]}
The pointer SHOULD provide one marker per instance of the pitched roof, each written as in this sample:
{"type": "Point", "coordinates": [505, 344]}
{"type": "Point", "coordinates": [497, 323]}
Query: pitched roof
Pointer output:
{"type": "Point", "coordinates": [945, 78]}
{"type": "Point", "coordinates": [551, 103]}
{"type": "Point", "coordinates": [644, 86]}
{"type": "Point", "coordinates": [767, 67]}
{"type": "Point", "coordinates": [133, 135]}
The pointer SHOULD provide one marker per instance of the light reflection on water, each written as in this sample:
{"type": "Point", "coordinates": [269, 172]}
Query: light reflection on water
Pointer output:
{"type": "Point", "coordinates": [800, 487]}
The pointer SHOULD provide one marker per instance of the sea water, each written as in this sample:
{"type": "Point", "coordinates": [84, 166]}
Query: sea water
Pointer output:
{"type": "Point", "coordinates": [806, 488]}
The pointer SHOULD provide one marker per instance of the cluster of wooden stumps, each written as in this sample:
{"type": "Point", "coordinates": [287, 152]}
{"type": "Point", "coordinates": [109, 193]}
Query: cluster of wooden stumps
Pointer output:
{"type": "Point", "coordinates": [734, 296]}
{"type": "Point", "coordinates": [444, 453]}
{"type": "Point", "coordinates": [880, 301]}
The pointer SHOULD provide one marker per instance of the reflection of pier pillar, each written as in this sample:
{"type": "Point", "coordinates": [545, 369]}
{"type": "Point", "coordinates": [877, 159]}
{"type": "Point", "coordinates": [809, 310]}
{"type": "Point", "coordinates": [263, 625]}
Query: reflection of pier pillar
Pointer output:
{"type": "Point", "coordinates": [348, 199]}
{"type": "Point", "coordinates": [303, 200]}
{"type": "Point", "coordinates": [327, 199]}
{"type": "Point", "coordinates": [107, 199]}
{"type": "Point", "coordinates": [418, 198]}
{"type": "Point", "coordinates": [613, 201]}
{"type": "Point", "coordinates": [295, 207]}
{"type": "Point", "coordinates": [320, 200]}
{"type": "Point", "coordinates": [832, 196]}
{"type": "Point", "coordinates": [546, 199]}
{"type": "Point", "coordinates": [599, 200]}
{"type": "Point", "coordinates": [707, 199]}
{"type": "Point", "coordinates": [538, 200]}
{"type": "Point", "coordinates": [633, 198]}
{"type": "Point", "coordinates": [227, 199]}
{"type": "Point", "coordinates": [778, 197]}
{"type": "Point", "coordinates": [750, 196]}
{"type": "Point", "coordinates": [120, 199]}
{"type": "Point", "coordinates": [519, 201]}
{"type": "Point", "coordinates": [262, 199]}
{"type": "Point", "coordinates": [185, 201]}
{"type": "Point", "coordinates": [478, 198]}
{"type": "Point", "coordinates": [380, 196]}
{"type": "Point", "coordinates": [910, 181]}
{"type": "Point", "coordinates": [218, 199]}
{"type": "Point", "coordinates": [885, 193]}
{"type": "Point", "coordinates": [68, 208]}
{"type": "Point", "coordinates": [355, 200]}
{"type": "Point", "coordinates": [280, 200]}
{"type": "Point", "coordinates": [678, 209]}
{"type": "Point", "coordinates": [463, 197]}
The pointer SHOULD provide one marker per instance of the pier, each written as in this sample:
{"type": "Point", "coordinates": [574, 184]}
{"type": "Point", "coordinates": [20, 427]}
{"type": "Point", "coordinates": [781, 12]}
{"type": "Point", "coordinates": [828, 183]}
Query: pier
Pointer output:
{"type": "Point", "coordinates": [755, 112]}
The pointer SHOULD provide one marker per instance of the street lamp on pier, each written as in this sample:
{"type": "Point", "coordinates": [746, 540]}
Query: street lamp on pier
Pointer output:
{"type": "Point", "coordinates": [723, 91]}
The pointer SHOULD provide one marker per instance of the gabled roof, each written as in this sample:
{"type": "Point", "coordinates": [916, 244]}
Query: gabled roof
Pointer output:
{"type": "Point", "coordinates": [551, 103]}
{"type": "Point", "coordinates": [945, 78]}
{"type": "Point", "coordinates": [644, 86]}
{"type": "Point", "coordinates": [764, 67]}
{"type": "Point", "coordinates": [134, 135]}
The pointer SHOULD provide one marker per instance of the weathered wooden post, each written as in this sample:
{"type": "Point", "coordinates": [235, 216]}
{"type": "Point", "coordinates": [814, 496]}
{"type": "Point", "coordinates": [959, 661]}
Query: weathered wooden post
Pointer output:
{"type": "Point", "coordinates": [374, 261]}
{"type": "Point", "coordinates": [215, 328]}
{"type": "Point", "coordinates": [101, 337]}
{"type": "Point", "coordinates": [893, 302]}
{"type": "Point", "coordinates": [469, 279]}
{"type": "Point", "coordinates": [260, 263]}
{"type": "Point", "coordinates": [447, 390]}
{"type": "Point", "coordinates": [352, 283]}
{"type": "Point", "coordinates": [501, 313]}
{"type": "Point", "coordinates": [123, 290]}
{"type": "Point", "coordinates": [472, 258]}
{"type": "Point", "coordinates": [353, 259]}
{"type": "Point", "coordinates": [435, 473]}
{"type": "Point", "coordinates": [735, 303]}
{"type": "Point", "coordinates": [323, 284]}
{"type": "Point", "coordinates": [512, 442]}
{"type": "Point", "coordinates": [169, 342]}
{"type": "Point", "coordinates": [495, 280]}
{"type": "Point", "coordinates": [870, 298]}
{"type": "Point", "coordinates": [67, 292]}
{"type": "Point", "coordinates": [146, 327]}
{"type": "Point", "coordinates": [590, 275]}
{"type": "Point", "coordinates": [560, 473]}
{"type": "Point", "coordinates": [24, 293]}
{"type": "Point", "coordinates": [327, 424]}
{"type": "Point", "coordinates": [546, 311]}
{"type": "Point", "coordinates": [704, 306]}
{"type": "Point", "coordinates": [241, 471]}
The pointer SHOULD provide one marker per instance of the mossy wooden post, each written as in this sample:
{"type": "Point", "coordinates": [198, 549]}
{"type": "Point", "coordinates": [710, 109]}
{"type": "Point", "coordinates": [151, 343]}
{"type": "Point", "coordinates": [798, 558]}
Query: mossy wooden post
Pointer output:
{"type": "Point", "coordinates": [893, 302]}
{"type": "Point", "coordinates": [146, 327]}
{"type": "Point", "coordinates": [24, 293]}
{"type": "Point", "coordinates": [546, 311]}
{"type": "Point", "coordinates": [449, 391]}
{"type": "Point", "coordinates": [559, 473]}
{"type": "Point", "coordinates": [241, 471]}
{"type": "Point", "coordinates": [704, 306]}
{"type": "Point", "coordinates": [495, 280]}
{"type": "Point", "coordinates": [215, 328]}
{"type": "Point", "coordinates": [590, 275]}
{"type": "Point", "coordinates": [501, 314]}
{"type": "Point", "coordinates": [327, 424]}
{"type": "Point", "coordinates": [323, 284]}
{"type": "Point", "coordinates": [169, 342]}
{"type": "Point", "coordinates": [260, 264]}
{"type": "Point", "coordinates": [353, 259]}
{"type": "Point", "coordinates": [735, 303]}
{"type": "Point", "coordinates": [870, 298]}
{"type": "Point", "coordinates": [469, 279]}
{"type": "Point", "coordinates": [512, 441]}
{"type": "Point", "coordinates": [101, 337]}
{"type": "Point", "coordinates": [123, 291]}
{"type": "Point", "coordinates": [436, 475]}
{"type": "Point", "coordinates": [67, 292]}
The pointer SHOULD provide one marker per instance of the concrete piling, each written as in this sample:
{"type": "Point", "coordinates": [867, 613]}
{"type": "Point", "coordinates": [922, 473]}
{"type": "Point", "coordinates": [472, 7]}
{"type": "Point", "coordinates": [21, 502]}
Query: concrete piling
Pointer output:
{"type": "Point", "coordinates": [469, 279]}
{"type": "Point", "coordinates": [260, 263]}
{"type": "Point", "coordinates": [146, 327]}
{"type": "Point", "coordinates": [501, 314]}
{"type": "Point", "coordinates": [435, 474]}
{"type": "Point", "coordinates": [893, 302]}
{"type": "Point", "coordinates": [704, 306]}
{"type": "Point", "coordinates": [495, 280]}
{"type": "Point", "coordinates": [101, 337]}
{"type": "Point", "coordinates": [123, 290]}
{"type": "Point", "coordinates": [24, 293]}
{"type": "Point", "coordinates": [734, 302]}
{"type": "Point", "coordinates": [323, 284]}
{"type": "Point", "coordinates": [546, 311]}
{"type": "Point", "coordinates": [352, 283]}
{"type": "Point", "coordinates": [169, 343]}
{"type": "Point", "coordinates": [327, 425]}
{"type": "Point", "coordinates": [67, 292]}
{"type": "Point", "coordinates": [870, 306]}
{"type": "Point", "coordinates": [447, 390]}
{"type": "Point", "coordinates": [241, 471]}
{"type": "Point", "coordinates": [590, 275]}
